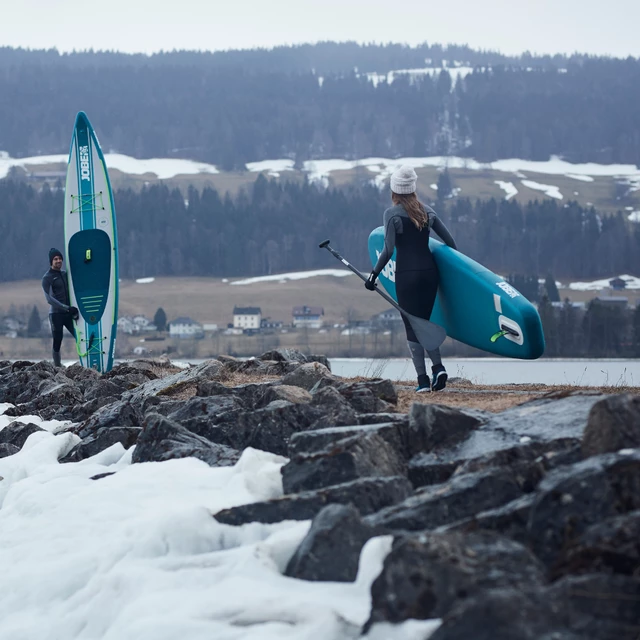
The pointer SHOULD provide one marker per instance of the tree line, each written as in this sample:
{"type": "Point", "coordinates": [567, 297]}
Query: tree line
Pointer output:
{"type": "Point", "coordinates": [315, 101]}
{"type": "Point", "coordinates": [275, 227]}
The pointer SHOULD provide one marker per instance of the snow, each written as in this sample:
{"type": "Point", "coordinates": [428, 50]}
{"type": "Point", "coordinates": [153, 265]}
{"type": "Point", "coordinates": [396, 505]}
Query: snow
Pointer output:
{"type": "Point", "coordinates": [634, 216]}
{"type": "Point", "coordinates": [455, 72]}
{"type": "Point", "coordinates": [577, 176]}
{"type": "Point", "coordinates": [145, 280]}
{"type": "Point", "coordinates": [319, 170]}
{"type": "Point", "coordinates": [273, 168]}
{"type": "Point", "coordinates": [297, 275]}
{"type": "Point", "coordinates": [138, 555]}
{"type": "Point", "coordinates": [632, 282]}
{"type": "Point", "coordinates": [549, 190]}
{"type": "Point", "coordinates": [508, 187]}
{"type": "Point", "coordinates": [163, 168]}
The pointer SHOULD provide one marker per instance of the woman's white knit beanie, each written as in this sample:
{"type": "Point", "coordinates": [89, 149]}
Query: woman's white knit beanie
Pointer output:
{"type": "Point", "coordinates": [403, 180]}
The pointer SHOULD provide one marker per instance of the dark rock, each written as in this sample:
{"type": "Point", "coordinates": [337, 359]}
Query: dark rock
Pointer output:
{"type": "Point", "coordinates": [307, 375]}
{"type": "Point", "coordinates": [570, 499]}
{"type": "Point", "coordinates": [369, 494]}
{"type": "Point", "coordinates": [53, 394]}
{"type": "Point", "coordinates": [336, 409]}
{"type": "Point", "coordinates": [613, 424]}
{"type": "Point", "coordinates": [253, 394]}
{"type": "Point", "coordinates": [130, 380]}
{"type": "Point", "coordinates": [265, 429]}
{"type": "Point", "coordinates": [548, 420]}
{"type": "Point", "coordinates": [213, 388]}
{"type": "Point", "coordinates": [7, 449]}
{"type": "Point", "coordinates": [19, 365]}
{"type": "Point", "coordinates": [273, 368]}
{"type": "Point", "coordinates": [278, 404]}
{"type": "Point", "coordinates": [99, 476]}
{"type": "Point", "coordinates": [506, 614]}
{"type": "Point", "coordinates": [509, 520]}
{"type": "Point", "coordinates": [16, 433]}
{"type": "Point", "coordinates": [81, 412]}
{"type": "Point", "coordinates": [600, 606]}
{"type": "Point", "coordinates": [101, 440]}
{"type": "Point", "coordinates": [433, 426]}
{"type": "Point", "coordinates": [331, 548]}
{"type": "Point", "coordinates": [198, 415]}
{"type": "Point", "coordinates": [442, 504]}
{"type": "Point", "coordinates": [176, 382]}
{"type": "Point", "coordinates": [103, 389]}
{"type": "Point", "coordinates": [162, 439]}
{"type": "Point", "coordinates": [284, 355]}
{"type": "Point", "coordinates": [360, 456]}
{"type": "Point", "coordinates": [295, 395]}
{"type": "Point", "coordinates": [117, 414]}
{"type": "Point", "coordinates": [319, 358]}
{"type": "Point", "coordinates": [160, 404]}
{"type": "Point", "coordinates": [611, 546]}
{"type": "Point", "coordinates": [312, 440]}
{"type": "Point", "coordinates": [379, 418]}
{"type": "Point", "coordinates": [83, 377]}
{"type": "Point", "coordinates": [426, 576]}
{"type": "Point", "coordinates": [127, 369]}
{"type": "Point", "coordinates": [426, 469]}
{"type": "Point", "coordinates": [381, 389]}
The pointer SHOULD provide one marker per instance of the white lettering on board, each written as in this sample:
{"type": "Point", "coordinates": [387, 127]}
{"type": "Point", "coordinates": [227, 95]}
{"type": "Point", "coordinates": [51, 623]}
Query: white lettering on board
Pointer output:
{"type": "Point", "coordinates": [390, 269]}
{"type": "Point", "coordinates": [85, 172]}
{"type": "Point", "coordinates": [508, 289]}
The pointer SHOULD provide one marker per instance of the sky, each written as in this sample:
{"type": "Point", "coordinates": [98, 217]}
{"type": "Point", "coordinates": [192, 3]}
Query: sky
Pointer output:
{"type": "Point", "coordinates": [602, 27]}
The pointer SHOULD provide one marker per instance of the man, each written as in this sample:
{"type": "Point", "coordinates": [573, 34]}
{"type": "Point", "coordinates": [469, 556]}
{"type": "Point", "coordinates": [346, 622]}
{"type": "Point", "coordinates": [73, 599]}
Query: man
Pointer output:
{"type": "Point", "coordinates": [56, 291]}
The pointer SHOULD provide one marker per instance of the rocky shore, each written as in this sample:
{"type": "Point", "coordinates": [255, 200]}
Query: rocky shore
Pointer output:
{"type": "Point", "coordinates": [520, 523]}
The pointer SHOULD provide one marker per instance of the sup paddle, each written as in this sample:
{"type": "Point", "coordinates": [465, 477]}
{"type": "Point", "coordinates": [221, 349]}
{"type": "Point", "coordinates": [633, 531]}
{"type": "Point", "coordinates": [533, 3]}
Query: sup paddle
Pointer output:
{"type": "Point", "coordinates": [429, 335]}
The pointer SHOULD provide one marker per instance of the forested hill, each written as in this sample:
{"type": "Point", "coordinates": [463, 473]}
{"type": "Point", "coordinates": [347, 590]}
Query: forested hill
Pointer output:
{"type": "Point", "coordinates": [320, 101]}
{"type": "Point", "coordinates": [276, 227]}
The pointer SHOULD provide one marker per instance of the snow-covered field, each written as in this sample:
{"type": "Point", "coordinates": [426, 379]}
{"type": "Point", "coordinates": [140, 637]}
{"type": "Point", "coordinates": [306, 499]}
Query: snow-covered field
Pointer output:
{"type": "Point", "coordinates": [632, 282]}
{"type": "Point", "coordinates": [296, 275]}
{"type": "Point", "coordinates": [137, 555]}
{"type": "Point", "coordinates": [380, 168]}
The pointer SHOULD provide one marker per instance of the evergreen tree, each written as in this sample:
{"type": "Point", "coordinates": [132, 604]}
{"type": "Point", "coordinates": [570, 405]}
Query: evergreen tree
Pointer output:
{"type": "Point", "coordinates": [549, 326]}
{"type": "Point", "coordinates": [34, 326]}
{"type": "Point", "coordinates": [445, 187]}
{"type": "Point", "coordinates": [551, 289]}
{"type": "Point", "coordinates": [160, 319]}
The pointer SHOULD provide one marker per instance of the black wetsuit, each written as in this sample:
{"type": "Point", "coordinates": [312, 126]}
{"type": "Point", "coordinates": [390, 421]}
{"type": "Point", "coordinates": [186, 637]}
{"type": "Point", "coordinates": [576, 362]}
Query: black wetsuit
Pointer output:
{"type": "Point", "coordinates": [56, 291]}
{"type": "Point", "coordinates": [416, 270]}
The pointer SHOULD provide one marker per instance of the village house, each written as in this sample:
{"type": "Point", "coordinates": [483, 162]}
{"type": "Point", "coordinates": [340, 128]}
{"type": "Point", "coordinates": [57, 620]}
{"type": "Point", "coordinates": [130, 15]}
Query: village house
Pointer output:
{"type": "Point", "coordinates": [184, 327]}
{"type": "Point", "coordinates": [247, 318]}
{"type": "Point", "coordinates": [305, 316]}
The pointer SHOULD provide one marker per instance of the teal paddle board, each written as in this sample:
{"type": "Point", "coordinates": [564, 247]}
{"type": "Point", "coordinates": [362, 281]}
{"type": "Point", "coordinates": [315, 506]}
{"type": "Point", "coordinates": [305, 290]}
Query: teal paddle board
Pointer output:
{"type": "Point", "coordinates": [474, 305]}
{"type": "Point", "coordinates": [92, 248]}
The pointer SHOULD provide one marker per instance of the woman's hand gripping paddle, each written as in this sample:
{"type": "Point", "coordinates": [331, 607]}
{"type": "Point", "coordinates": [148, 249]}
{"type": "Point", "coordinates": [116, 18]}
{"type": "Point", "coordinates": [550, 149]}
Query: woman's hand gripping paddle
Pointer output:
{"type": "Point", "coordinates": [429, 335]}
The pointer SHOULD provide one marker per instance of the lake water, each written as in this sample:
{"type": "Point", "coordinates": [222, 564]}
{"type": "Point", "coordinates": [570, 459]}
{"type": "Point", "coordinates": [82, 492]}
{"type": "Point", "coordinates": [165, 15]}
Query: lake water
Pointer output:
{"type": "Point", "coordinates": [584, 372]}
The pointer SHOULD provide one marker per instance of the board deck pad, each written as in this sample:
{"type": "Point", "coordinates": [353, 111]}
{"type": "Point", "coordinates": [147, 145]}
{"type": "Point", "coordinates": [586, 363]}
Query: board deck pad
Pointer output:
{"type": "Point", "coordinates": [92, 248]}
{"type": "Point", "coordinates": [473, 303]}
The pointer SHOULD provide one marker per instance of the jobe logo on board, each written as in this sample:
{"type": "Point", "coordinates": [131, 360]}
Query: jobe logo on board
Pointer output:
{"type": "Point", "coordinates": [508, 289]}
{"type": "Point", "coordinates": [390, 269]}
{"type": "Point", "coordinates": [85, 171]}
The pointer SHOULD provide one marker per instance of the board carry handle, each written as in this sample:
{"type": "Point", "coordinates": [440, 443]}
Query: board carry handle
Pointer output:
{"type": "Point", "coordinates": [504, 330]}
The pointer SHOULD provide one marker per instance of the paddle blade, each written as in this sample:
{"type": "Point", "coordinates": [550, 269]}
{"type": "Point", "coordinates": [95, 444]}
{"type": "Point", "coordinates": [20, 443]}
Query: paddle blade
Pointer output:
{"type": "Point", "coordinates": [429, 335]}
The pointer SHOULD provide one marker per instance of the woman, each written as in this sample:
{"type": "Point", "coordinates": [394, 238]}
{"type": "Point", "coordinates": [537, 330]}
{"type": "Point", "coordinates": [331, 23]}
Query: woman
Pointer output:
{"type": "Point", "coordinates": [406, 227]}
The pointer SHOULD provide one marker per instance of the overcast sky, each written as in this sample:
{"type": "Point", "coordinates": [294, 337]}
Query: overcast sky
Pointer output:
{"type": "Point", "coordinates": [606, 27]}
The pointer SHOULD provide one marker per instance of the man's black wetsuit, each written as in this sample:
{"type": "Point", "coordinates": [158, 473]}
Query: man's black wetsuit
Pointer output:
{"type": "Point", "coordinates": [56, 291]}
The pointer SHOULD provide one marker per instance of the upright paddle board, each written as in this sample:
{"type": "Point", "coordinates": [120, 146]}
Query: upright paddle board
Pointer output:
{"type": "Point", "coordinates": [92, 248]}
{"type": "Point", "coordinates": [474, 305]}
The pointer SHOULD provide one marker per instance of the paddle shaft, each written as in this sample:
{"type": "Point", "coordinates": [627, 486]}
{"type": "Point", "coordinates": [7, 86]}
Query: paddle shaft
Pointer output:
{"type": "Point", "coordinates": [389, 299]}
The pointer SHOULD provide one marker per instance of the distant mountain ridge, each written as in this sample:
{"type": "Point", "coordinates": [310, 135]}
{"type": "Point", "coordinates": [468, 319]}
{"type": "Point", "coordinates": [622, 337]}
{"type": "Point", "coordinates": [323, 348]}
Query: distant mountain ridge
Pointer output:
{"type": "Point", "coordinates": [318, 101]}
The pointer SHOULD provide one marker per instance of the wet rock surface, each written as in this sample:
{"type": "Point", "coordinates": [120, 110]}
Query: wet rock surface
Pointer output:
{"type": "Point", "coordinates": [517, 524]}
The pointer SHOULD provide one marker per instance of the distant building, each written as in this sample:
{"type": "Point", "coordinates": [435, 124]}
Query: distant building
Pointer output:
{"type": "Point", "coordinates": [617, 284]}
{"type": "Point", "coordinates": [618, 302]}
{"type": "Point", "coordinates": [144, 323]}
{"type": "Point", "coordinates": [209, 326]}
{"type": "Point", "coordinates": [127, 325]}
{"type": "Point", "coordinates": [307, 317]}
{"type": "Point", "coordinates": [185, 328]}
{"type": "Point", "coordinates": [386, 318]}
{"type": "Point", "coordinates": [268, 323]}
{"type": "Point", "coordinates": [247, 317]}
